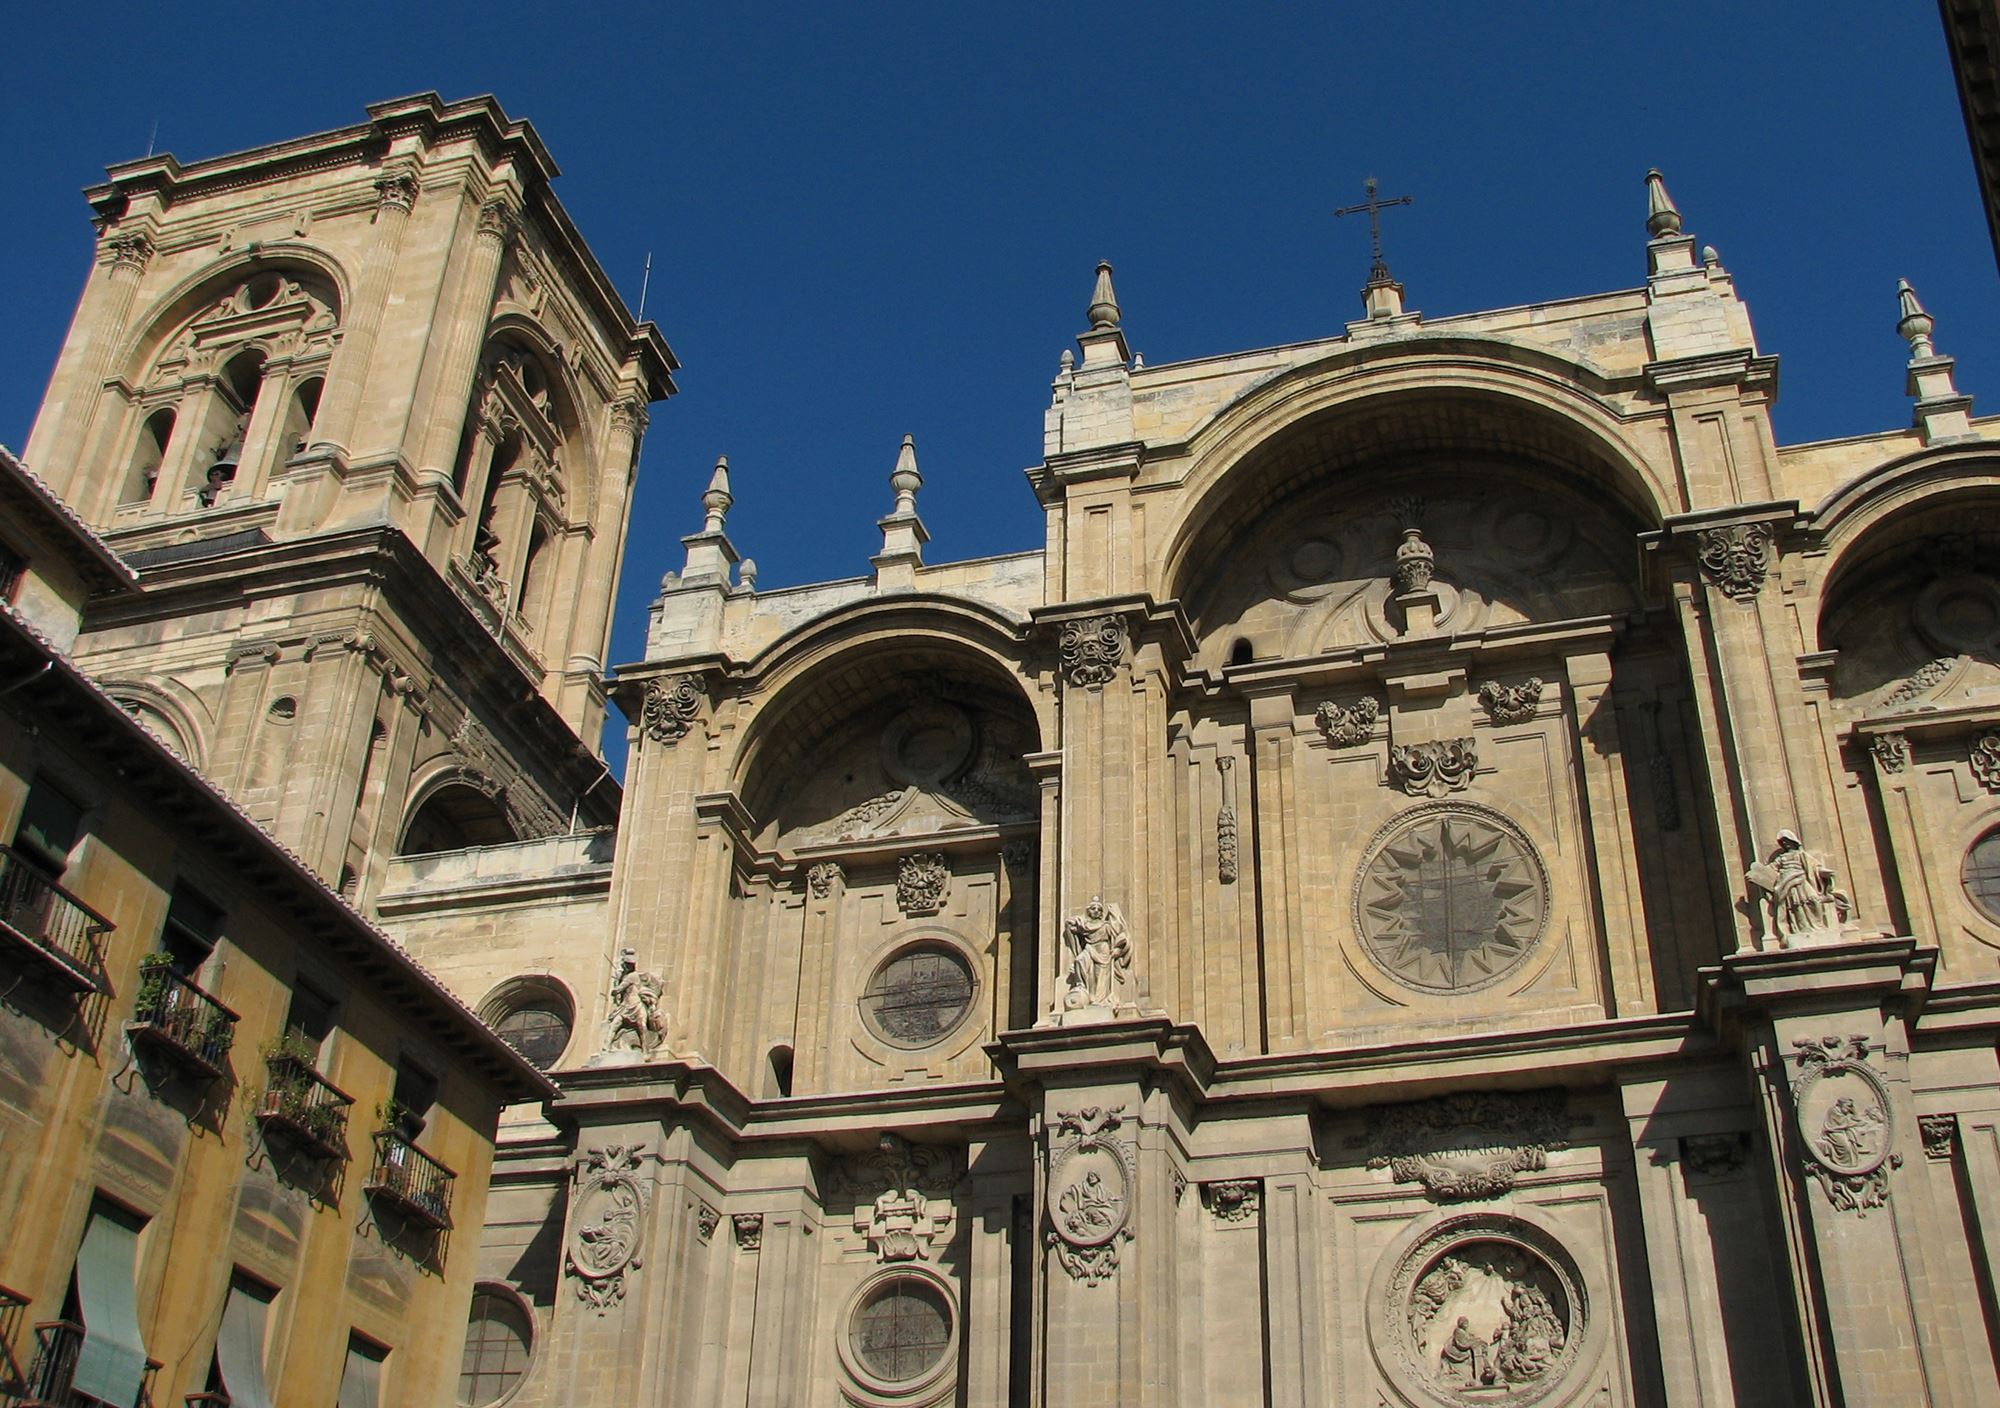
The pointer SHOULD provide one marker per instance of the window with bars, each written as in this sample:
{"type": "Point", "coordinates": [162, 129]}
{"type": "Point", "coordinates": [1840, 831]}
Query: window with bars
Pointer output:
{"type": "Point", "coordinates": [1981, 874]}
{"type": "Point", "coordinates": [497, 1341]}
{"type": "Point", "coordinates": [919, 996]}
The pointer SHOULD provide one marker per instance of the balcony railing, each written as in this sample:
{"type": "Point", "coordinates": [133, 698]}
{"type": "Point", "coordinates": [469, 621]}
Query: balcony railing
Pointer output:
{"type": "Point", "coordinates": [175, 1016]}
{"type": "Point", "coordinates": [57, 1345]}
{"type": "Point", "coordinates": [303, 1105]}
{"type": "Point", "coordinates": [411, 1180]}
{"type": "Point", "coordinates": [57, 928]}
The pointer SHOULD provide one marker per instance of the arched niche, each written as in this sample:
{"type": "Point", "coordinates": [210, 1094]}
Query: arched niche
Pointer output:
{"type": "Point", "coordinates": [1518, 506]}
{"type": "Point", "coordinates": [456, 816]}
{"type": "Point", "coordinates": [1911, 602]}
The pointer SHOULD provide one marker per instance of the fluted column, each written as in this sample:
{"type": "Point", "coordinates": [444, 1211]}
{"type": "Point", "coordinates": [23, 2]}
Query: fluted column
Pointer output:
{"type": "Point", "coordinates": [353, 364]}
{"type": "Point", "coordinates": [55, 446]}
{"type": "Point", "coordinates": [497, 220]}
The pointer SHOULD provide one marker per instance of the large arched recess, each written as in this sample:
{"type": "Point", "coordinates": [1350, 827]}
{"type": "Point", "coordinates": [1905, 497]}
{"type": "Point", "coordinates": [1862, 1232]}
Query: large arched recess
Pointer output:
{"type": "Point", "coordinates": [1372, 407]}
{"type": "Point", "coordinates": [516, 329]}
{"type": "Point", "coordinates": [851, 671]}
{"type": "Point", "coordinates": [180, 305]}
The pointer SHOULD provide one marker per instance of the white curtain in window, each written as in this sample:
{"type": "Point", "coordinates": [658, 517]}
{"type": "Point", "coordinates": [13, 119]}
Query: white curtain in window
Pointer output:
{"type": "Point", "coordinates": [239, 1346]}
{"type": "Point", "coordinates": [361, 1384]}
{"type": "Point", "coordinates": [112, 1363]}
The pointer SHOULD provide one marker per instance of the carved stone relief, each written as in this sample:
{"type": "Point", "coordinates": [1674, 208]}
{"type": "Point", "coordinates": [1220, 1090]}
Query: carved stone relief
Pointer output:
{"type": "Point", "coordinates": [1346, 725]}
{"type": "Point", "coordinates": [821, 878]}
{"type": "Point", "coordinates": [1666, 796]}
{"type": "Point", "coordinates": [1092, 648]}
{"type": "Point", "coordinates": [608, 1204]}
{"type": "Point", "coordinates": [1511, 704]}
{"type": "Point", "coordinates": [1415, 560]}
{"type": "Point", "coordinates": [1735, 559]}
{"type": "Point", "coordinates": [902, 1194]}
{"type": "Point", "coordinates": [1226, 859]}
{"type": "Point", "coordinates": [1433, 769]}
{"type": "Point", "coordinates": [1985, 759]}
{"type": "Point", "coordinates": [1233, 1199]}
{"type": "Point", "coordinates": [1846, 1122]}
{"type": "Point", "coordinates": [1483, 1308]}
{"type": "Point", "coordinates": [706, 1219]}
{"type": "Point", "coordinates": [1091, 1178]}
{"type": "Point", "coordinates": [1940, 1135]}
{"type": "Point", "coordinates": [1468, 1145]}
{"type": "Point", "coordinates": [672, 706]}
{"type": "Point", "coordinates": [1098, 950]}
{"type": "Point", "coordinates": [638, 1019]}
{"type": "Point", "coordinates": [921, 882]}
{"type": "Point", "coordinates": [1927, 676]}
{"type": "Point", "coordinates": [749, 1230]}
{"type": "Point", "coordinates": [1714, 1156]}
{"type": "Point", "coordinates": [1450, 899]}
{"type": "Point", "coordinates": [1891, 751]}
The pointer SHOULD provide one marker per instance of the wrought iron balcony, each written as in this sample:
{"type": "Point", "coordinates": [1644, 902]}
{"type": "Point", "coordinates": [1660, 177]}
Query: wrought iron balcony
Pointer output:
{"type": "Point", "coordinates": [411, 1180]}
{"type": "Point", "coordinates": [53, 1374]}
{"type": "Point", "coordinates": [53, 928]}
{"type": "Point", "coordinates": [303, 1106]}
{"type": "Point", "coordinates": [177, 1018]}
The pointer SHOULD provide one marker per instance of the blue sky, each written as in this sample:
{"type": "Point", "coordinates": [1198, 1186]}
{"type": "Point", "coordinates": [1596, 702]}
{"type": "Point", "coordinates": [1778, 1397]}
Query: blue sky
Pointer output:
{"type": "Point", "coordinates": [868, 220]}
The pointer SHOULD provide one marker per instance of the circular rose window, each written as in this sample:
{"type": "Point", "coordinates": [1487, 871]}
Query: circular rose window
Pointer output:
{"type": "Point", "coordinates": [901, 1329]}
{"type": "Point", "coordinates": [1981, 875]}
{"type": "Point", "coordinates": [919, 996]}
{"type": "Point", "coordinates": [1450, 899]}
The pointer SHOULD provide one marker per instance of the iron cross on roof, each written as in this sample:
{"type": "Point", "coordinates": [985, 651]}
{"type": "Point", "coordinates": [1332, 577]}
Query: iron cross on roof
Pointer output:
{"type": "Point", "coordinates": [1378, 272]}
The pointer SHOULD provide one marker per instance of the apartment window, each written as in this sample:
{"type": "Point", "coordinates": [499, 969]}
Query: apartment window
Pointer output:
{"type": "Point", "coordinates": [240, 1343]}
{"type": "Point", "coordinates": [416, 1092]}
{"type": "Point", "coordinates": [310, 1021]}
{"type": "Point", "coordinates": [13, 567]}
{"type": "Point", "coordinates": [194, 923]}
{"type": "Point", "coordinates": [361, 1380]}
{"type": "Point", "coordinates": [111, 1363]}
{"type": "Point", "coordinates": [51, 824]}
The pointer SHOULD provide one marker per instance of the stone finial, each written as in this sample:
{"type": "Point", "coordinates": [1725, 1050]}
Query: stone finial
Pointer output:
{"type": "Point", "coordinates": [1709, 258]}
{"type": "Point", "coordinates": [1067, 362]}
{"type": "Point", "coordinates": [746, 574]}
{"type": "Point", "coordinates": [715, 501]}
{"type": "Point", "coordinates": [905, 479]}
{"type": "Point", "coordinates": [1913, 323]}
{"type": "Point", "coordinates": [1663, 218]}
{"type": "Point", "coordinates": [1103, 311]}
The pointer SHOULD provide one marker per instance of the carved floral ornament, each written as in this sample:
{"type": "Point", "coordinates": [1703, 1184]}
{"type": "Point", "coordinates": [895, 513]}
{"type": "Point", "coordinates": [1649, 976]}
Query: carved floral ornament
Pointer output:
{"type": "Point", "coordinates": [1091, 650]}
{"type": "Point", "coordinates": [822, 877]}
{"type": "Point", "coordinates": [608, 1209]}
{"type": "Point", "coordinates": [1846, 1122]}
{"type": "Point", "coordinates": [1483, 1308]}
{"type": "Point", "coordinates": [749, 1230]}
{"type": "Point", "coordinates": [1985, 760]}
{"type": "Point", "coordinates": [1891, 751]}
{"type": "Point", "coordinates": [902, 1196]}
{"type": "Point", "coordinates": [921, 883]}
{"type": "Point", "coordinates": [1091, 1178]}
{"type": "Point", "coordinates": [1233, 1199]}
{"type": "Point", "coordinates": [672, 706]}
{"type": "Point", "coordinates": [1511, 704]}
{"type": "Point", "coordinates": [1433, 769]}
{"type": "Point", "coordinates": [1736, 558]}
{"type": "Point", "coordinates": [1468, 1145]}
{"type": "Point", "coordinates": [1346, 725]}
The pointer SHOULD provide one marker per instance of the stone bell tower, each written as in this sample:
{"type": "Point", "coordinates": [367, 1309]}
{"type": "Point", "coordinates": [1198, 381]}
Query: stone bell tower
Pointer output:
{"type": "Point", "coordinates": [364, 412]}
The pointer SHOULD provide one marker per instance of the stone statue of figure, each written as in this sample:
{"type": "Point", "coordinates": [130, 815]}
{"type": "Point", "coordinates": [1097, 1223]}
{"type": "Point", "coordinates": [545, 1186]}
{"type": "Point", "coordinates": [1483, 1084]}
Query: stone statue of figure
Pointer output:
{"type": "Point", "coordinates": [637, 1023]}
{"type": "Point", "coordinates": [1100, 956]}
{"type": "Point", "coordinates": [1799, 885]}
{"type": "Point", "coordinates": [1465, 1355]}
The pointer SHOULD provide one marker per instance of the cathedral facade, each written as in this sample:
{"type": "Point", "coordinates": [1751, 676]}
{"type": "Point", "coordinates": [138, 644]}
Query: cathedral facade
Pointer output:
{"type": "Point", "coordinates": [1461, 871]}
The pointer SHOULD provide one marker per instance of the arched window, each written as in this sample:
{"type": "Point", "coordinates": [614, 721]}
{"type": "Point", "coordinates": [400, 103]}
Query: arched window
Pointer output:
{"type": "Point", "coordinates": [455, 818]}
{"type": "Point", "coordinates": [299, 416]}
{"type": "Point", "coordinates": [229, 422]}
{"type": "Point", "coordinates": [531, 575]}
{"type": "Point", "coordinates": [535, 1015]}
{"type": "Point", "coordinates": [498, 1342]}
{"type": "Point", "coordinates": [147, 457]}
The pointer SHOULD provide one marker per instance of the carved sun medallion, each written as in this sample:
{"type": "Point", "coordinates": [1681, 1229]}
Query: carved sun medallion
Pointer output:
{"type": "Point", "coordinates": [1450, 899]}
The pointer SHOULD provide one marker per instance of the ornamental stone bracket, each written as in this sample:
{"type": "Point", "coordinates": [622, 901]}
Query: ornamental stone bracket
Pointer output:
{"type": "Point", "coordinates": [1846, 1122]}
{"type": "Point", "coordinates": [609, 1203]}
{"type": "Point", "coordinates": [1091, 1179]}
{"type": "Point", "coordinates": [1940, 1136]}
{"type": "Point", "coordinates": [1733, 552]}
{"type": "Point", "coordinates": [749, 1230]}
{"type": "Point", "coordinates": [1467, 1145]}
{"type": "Point", "coordinates": [1233, 1200]}
{"type": "Point", "coordinates": [1092, 649]}
{"type": "Point", "coordinates": [672, 707]}
{"type": "Point", "coordinates": [921, 883]}
{"type": "Point", "coordinates": [1984, 758]}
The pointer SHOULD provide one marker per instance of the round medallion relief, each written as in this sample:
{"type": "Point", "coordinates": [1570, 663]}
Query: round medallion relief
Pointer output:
{"type": "Point", "coordinates": [1450, 899]}
{"type": "Point", "coordinates": [1484, 1308]}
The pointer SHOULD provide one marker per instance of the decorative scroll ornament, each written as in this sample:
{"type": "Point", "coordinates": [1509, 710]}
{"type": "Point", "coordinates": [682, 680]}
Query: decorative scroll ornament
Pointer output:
{"type": "Point", "coordinates": [1433, 769]}
{"type": "Point", "coordinates": [1091, 1178]}
{"type": "Point", "coordinates": [1092, 648]}
{"type": "Point", "coordinates": [1940, 1135]}
{"type": "Point", "coordinates": [1736, 559]}
{"type": "Point", "coordinates": [1891, 750]}
{"type": "Point", "coordinates": [397, 191]}
{"type": "Point", "coordinates": [1798, 893]}
{"type": "Point", "coordinates": [921, 882]}
{"type": "Point", "coordinates": [823, 877]}
{"type": "Point", "coordinates": [607, 1223]}
{"type": "Point", "coordinates": [1233, 1199]}
{"type": "Point", "coordinates": [638, 1021]}
{"type": "Point", "coordinates": [1985, 759]}
{"type": "Point", "coordinates": [1348, 724]}
{"type": "Point", "coordinates": [1099, 950]}
{"type": "Point", "coordinates": [1846, 1122]}
{"type": "Point", "coordinates": [749, 1230]}
{"type": "Point", "coordinates": [1471, 1145]}
{"type": "Point", "coordinates": [1511, 704]}
{"type": "Point", "coordinates": [902, 1192]}
{"type": "Point", "coordinates": [671, 708]}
